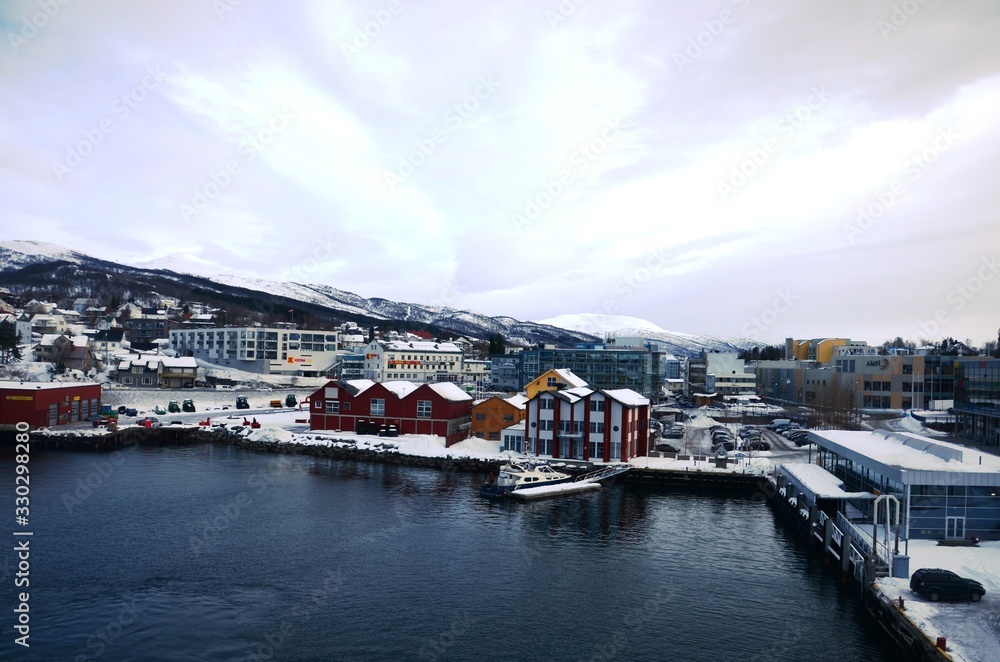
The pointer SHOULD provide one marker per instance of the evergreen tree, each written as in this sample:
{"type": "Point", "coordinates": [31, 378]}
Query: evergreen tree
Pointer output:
{"type": "Point", "coordinates": [9, 350]}
{"type": "Point", "coordinates": [497, 344]}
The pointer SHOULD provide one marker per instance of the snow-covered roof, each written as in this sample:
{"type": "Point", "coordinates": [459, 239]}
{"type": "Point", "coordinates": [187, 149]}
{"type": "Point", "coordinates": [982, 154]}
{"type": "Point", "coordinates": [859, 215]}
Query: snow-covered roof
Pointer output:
{"type": "Point", "coordinates": [517, 400]}
{"type": "Point", "coordinates": [819, 483]}
{"type": "Point", "coordinates": [357, 385]}
{"type": "Point", "coordinates": [627, 397]}
{"type": "Point", "coordinates": [153, 361]}
{"type": "Point", "coordinates": [41, 386]}
{"type": "Point", "coordinates": [570, 378]}
{"type": "Point", "coordinates": [911, 458]}
{"type": "Point", "coordinates": [401, 388]}
{"type": "Point", "coordinates": [419, 346]}
{"type": "Point", "coordinates": [450, 391]}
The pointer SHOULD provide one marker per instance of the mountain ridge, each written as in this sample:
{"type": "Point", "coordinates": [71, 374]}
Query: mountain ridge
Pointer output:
{"type": "Point", "coordinates": [42, 266]}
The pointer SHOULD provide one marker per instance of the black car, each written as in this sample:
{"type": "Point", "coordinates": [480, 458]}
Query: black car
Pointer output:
{"type": "Point", "coordinates": [935, 583]}
{"type": "Point", "coordinates": [187, 405]}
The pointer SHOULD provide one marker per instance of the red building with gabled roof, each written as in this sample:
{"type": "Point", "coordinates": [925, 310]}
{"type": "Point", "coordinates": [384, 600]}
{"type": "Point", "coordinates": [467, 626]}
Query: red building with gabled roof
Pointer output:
{"type": "Point", "coordinates": [363, 406]}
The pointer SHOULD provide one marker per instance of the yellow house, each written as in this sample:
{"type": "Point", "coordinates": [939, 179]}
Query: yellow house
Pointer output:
{"type": "Point", "coordinates": [553, 380]}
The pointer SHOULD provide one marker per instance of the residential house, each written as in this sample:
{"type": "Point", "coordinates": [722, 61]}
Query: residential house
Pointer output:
{"type": "Point", "coordinates": [553, 379]}
{"type": "Point", "coordinates": [74, 353]}
{"type": "Point", "coordinates": [492, 415]}
{"type": "Point", "coordinates": [155, 371]}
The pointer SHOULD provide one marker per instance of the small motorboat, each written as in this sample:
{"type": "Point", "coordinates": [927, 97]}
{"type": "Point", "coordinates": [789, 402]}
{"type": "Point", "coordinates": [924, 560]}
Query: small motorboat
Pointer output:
{"type": "Point", "coordinates": [520, 474]}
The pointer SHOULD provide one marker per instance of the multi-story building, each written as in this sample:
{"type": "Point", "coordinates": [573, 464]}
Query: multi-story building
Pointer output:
{"type": "Point", "coordinates": [821, 350]}
{"type": "Point", "coordinates": [505, 372]}
{"type": "Point", "coordinates": [585, 424]}
{"type": "Point", "coordinates": [48, 404]}
{"type": "Point", "coordinates": [601, 366]}
{"type": "Point", "coordinates": [877, 382]}
{"type": "Point", "coordinates": [281, 349]}
{"type": "Point", "coordinates": [74, 353]}
{"type": "Point", "coordinates": [721, 373]}
{"type": "Point", "coordinates": [420, 361]}
{"type": "Point", "coordinates": [977, 399]}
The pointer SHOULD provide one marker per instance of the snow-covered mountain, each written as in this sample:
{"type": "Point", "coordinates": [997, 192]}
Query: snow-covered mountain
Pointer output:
{"type": "Point", "coordinates": [46, 267]}
{"type": "Point", "coordinates": [680, 344]}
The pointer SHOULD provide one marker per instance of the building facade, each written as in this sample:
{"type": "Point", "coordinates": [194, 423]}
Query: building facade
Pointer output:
{"type": "Point", "coordinates": [48, 404]}
{"type": "Point", "coordinates": [977, 399]}
{"type": "Point", "coordinates": [421, 361]}
{"type": "Point", "coordinates": [283, 350]}
{"type": "Point", "coordinates": [945, 490]}
{"type": "Point", "coordinates": [586, 424]}
{"type": "Point", "coordinates": [492, 415]}
{"type": "Point", "coordinates": [639, 369]}
{"type": "Point", "coordinates": [441, 409]}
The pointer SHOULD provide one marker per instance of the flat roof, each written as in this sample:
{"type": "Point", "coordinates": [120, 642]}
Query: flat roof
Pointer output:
{"type": "Point", "coordinates": [41, 386]}
{"type": "Point", "coordinates": [912, 459]}
{"type": "Point", "coordinates": [819, 483]}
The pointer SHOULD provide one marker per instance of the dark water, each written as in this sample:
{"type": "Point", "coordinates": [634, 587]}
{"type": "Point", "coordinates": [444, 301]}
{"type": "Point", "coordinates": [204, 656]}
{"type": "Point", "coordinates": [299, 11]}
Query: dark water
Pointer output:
{"type": "Point", "coordinates": [211, 553]}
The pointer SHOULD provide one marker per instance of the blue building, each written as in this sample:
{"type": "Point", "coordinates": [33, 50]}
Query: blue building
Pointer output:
{"type": "Point", "coordinates": [977, 399]}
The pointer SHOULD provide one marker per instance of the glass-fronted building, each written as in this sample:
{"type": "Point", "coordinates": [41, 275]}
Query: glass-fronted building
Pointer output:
{"type": "Point", "coordinates": [946, 490]}
{"type": "Point", "coordinates": [977, 400]}
{"type": "Point", "coordinates": [639, 369]}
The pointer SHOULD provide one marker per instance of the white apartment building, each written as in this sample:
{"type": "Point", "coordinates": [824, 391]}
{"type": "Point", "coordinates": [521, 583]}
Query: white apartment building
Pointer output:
{"type": "Point", "coordinates": [267, 350]}
{"type": "Point", "coordinates": [416, 361]}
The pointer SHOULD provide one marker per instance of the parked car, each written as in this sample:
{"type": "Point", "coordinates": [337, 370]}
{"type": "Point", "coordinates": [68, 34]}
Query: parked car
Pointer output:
{"type": "Point", "coordinates": [160, 411]}
{"type": "Point", "coordinates": [173, 407]}
{"type": "Point", "coordinates": [151, 422]}
{"type": "Point", "coordinates": [666, 448]}
{"type": "Point", "coordinates": [187, 405]}
{"type": "Point", "coordinates": [99, 421]}
{"type": "Point", "coordinates": [241, 402]}
{"type": "Point", "coordinates": [935, 583]}
{"type": "Point", "coordinates": [130, 411]}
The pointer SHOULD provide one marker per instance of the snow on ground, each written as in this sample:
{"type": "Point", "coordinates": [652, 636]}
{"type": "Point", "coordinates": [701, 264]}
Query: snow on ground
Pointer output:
{"type": "Point", "coordinates": [972, 629]}
{"type": "Point", "coordinates": [754, 465]}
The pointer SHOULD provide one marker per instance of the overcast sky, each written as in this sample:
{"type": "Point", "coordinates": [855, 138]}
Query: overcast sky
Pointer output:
{"type": "Point", "coordinates": [700, 164]}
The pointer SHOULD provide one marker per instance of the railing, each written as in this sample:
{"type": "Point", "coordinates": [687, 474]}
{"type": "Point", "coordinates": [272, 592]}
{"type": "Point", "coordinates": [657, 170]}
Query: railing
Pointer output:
{"type": "Point", "coordinates": [605, 472]}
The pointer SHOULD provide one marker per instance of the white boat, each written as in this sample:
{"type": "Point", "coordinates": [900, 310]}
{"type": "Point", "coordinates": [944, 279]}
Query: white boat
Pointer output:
{"type": "Point", "coordinates": [521, 474]}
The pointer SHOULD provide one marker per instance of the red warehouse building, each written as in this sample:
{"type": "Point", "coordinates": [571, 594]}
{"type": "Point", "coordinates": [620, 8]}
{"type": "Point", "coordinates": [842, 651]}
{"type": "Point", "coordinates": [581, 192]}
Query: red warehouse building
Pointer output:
{"type": "Point", "coordinates": [363, 406]}
{"type": "Point", "coordinates": [584, 424]}
{"type": "Point", "coordinates": [41, 404]}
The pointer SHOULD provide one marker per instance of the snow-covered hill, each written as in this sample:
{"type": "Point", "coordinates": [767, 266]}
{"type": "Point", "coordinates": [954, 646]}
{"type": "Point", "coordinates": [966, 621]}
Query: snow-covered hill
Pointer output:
{"type": "Point", "coordinates": [176, 275]}
{"type": "Point", "coordinates": [680, 344]}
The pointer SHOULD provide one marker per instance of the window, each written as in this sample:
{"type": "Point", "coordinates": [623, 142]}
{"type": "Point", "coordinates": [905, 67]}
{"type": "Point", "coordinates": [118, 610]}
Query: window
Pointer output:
{"type": "Point", "coordinates": [545, 403]}
{"type": "Point", "coordinates": [378, 407]}
{"type": "Point", "coordinates": [332, 407]}
{"type": "Point", "coordinates": [908, 369]}
{"type": "Point", "coordinates": [545, 425]}
{"type": "Point", "coordinates": [597, 427]}
{"type": "Point", "coordinates": [479, 417]}
{"type": "Point", "coordinates": [424, 410]}
{"type": "Point", "coordinates": [347, 406]}
{"type": "Point", "coordinates": [550, 382]}
{"type": "Point", "coordinates": [508, 418]}
{"type": "Point", "coordinates": [597, 405]}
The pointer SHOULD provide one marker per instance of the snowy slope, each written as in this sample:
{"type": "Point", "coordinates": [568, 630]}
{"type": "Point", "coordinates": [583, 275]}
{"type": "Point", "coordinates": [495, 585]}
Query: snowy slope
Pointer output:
{"type": "Point", "coordinates": [15, 254]}
{"type": "Point", "coordinates": [680, 344]}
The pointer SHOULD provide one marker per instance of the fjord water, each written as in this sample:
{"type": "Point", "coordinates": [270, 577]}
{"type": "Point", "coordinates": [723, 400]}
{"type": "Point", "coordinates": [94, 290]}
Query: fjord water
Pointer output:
{"type": "Point", "coordinates": [213, 553]}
